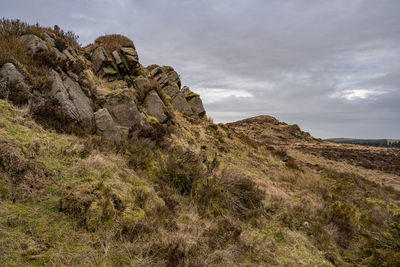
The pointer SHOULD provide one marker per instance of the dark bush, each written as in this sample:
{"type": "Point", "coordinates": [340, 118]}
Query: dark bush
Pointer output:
{"type": "Point", "coordinates": [153, 131]}
{"type": "Point", "coordinates": [242, 194]}
{"type": "Point", "coordinates": [230, 192]}
{"type": "Point", "coordinates": [181, 170]}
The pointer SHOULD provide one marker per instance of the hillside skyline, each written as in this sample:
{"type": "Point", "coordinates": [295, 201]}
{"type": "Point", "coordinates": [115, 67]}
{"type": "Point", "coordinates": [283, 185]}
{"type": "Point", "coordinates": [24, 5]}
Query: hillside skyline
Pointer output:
{"type": "Point", "coordinates": [331, 68]}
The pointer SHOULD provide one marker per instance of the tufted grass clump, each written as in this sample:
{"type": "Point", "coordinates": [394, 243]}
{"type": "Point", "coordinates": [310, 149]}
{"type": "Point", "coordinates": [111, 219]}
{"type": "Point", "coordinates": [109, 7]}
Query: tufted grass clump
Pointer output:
{"type": "Point", "coordinates": [112, 42]}
{"type": "Point", "coordinates": [230, 193]}
{"type": "Point", "coordinates": [181, 170]}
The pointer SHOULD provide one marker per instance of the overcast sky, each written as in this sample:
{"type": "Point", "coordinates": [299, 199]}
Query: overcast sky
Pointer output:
{"type": "Point", "coordinates": [333, 66]}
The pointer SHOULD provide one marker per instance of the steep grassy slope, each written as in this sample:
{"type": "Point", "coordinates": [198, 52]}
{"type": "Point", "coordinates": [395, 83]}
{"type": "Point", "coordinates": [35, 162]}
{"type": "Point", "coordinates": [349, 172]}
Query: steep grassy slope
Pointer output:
{"type": "Point", "coordinates": [96, 204]}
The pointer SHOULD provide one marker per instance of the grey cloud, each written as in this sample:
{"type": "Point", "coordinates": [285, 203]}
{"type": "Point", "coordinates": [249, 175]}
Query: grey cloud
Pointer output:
{"type": "Point", "coordinates": [290, 57]}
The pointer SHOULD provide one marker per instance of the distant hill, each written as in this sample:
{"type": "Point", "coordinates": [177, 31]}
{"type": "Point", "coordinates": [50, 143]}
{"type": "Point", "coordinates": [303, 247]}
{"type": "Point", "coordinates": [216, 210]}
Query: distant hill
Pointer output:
{"type": "Point", "coordinates": [367, 142]}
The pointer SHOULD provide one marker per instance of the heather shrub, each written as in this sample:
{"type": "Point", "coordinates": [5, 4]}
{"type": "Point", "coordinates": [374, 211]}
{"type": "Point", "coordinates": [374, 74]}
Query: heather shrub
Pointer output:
{"type": "Point", "coordinates": [112, 42]}
{"type": "Point", "coordinates": [152, 131]}
{"type": "Point", "coordinates": [181, 170]}
{"type": "Point", "coordinates": [230, 193]}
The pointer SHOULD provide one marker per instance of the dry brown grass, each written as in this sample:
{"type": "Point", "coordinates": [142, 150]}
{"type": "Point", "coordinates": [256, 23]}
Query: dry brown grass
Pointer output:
{"type": "Point", "coordinates": [111, 42]}
{"type": "Point", "coordinates": [13, 50]}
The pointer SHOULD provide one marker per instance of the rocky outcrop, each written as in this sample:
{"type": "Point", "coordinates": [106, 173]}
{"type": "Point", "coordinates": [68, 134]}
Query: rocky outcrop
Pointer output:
{"type": "Point", "coordinates": [119, 63]}
{"type": "Point", "coordinates": [105, 125]}
{"type": "Point", "coordinates": [197, 106]}
{"type": "Point", "coordinates": [155, 107]}
{"type": "Point", "coordinates": [34, 43]}
{"type": "Point", "coordinates": [123, 109]}
{"type": "Point", "coordinates": [173, 77]}
{"type": "Point", "coordinates": [72, 100]}
{"type": "Point", "coordinates": [180, 104]}
{"type": "Point", "coordinates": [131, 58]}
{"type": "Point", "coordinates": [194, 102]}
{"type": "Point", "coordinates": [172, 90]}
{"type": "Point", "coordinates": [159, 75]}
{"type": "Point", "coordinates": [114, 82]}
{"type": "Point", "coordinates": [142, 84]}
{"type": "Point", "coordinates": [13, 86]}
{"type": "Point", "coordinates": [99, 59]}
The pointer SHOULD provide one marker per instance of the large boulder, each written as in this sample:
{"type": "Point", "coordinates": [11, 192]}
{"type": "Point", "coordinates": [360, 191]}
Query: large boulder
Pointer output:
{"type": "Point", "coordinates": [34, 43]}
{"type": "Point", "coordinates": [131, 57]}
{"type": "Point", "coordinates": [99, 59]}
{"type": "Point", "coordinates": [119, 63]}
{"type": "Point", "coordinates": [142, 84]}
{"type": "Point", "coordinates": [178, 99]}
{"type": "Point", "coordinates": [180, 104]}
{"type": "Point", "coordinates": [105, 125]}
{"type": "Point", "coordinates": [123, 109]}
{"type": "Point", "coordinates": [72, 100]}
{"type": "Point", "coordinates": [173, 78]}
{"type": "Point", "coordinates": [155, 107]}
{"type": "Point", "coordinates": [13, 86]}
{"type": "Point", "coordinates": [172, 90]}
{"type": "Point", "coordinates": [194, 102]}
{"type": "Point", "coordinates": [197, 106]}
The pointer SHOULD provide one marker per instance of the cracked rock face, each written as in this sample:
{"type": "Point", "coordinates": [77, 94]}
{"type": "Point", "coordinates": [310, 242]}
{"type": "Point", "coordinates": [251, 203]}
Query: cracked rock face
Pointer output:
{"type": "Point", "coordinates": [34, 43]}
{"type": "Point", "coordinates": [13, 86]}
{"type": "Point", "coordinates": [72, 100]}
{"type": "Point", "coordinates": [106, 126]}
{"type": "Point", "coordinates": [159, 75]}
{"type": "Point", "coordinates": [123, 109]}
{"type": "Point", "coordinates": [99, 59]}
{"type": "Point", "coordinates": [155, 107]}
{"type": "Point", "coordinates": [180, 104]}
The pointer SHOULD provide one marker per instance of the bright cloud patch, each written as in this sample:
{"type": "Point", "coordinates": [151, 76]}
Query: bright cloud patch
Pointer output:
{"type": "Point", "coordinates": [354, 94]}
{"type": "Point", "coordinates": [210, 95]}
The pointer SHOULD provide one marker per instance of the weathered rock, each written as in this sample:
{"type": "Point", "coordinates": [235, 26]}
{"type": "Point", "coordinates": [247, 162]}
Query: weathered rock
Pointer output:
{"type": "Point", "coordinates": [194, 102]}
{"type": "Point", "coordinates": [155, 107]}
{"type": "Point", "coordinates": [131, 58]}
{"type": "Point", "coordinates": [14, 87]}
{"type": "Point", "coordinates": [73, 101]}
{"type": "Point", "coordinates": [130, 54]}
{"type": "Point", "coordinates": [180, 104]}
{"type": "Point", "coordinates": [117, 58]}
{"type": "Point", "coordinates": [186, 91]}
{"type": "Point", "coordinates": [197, 106]}
{"type": "Point", "coordinates": [173, 78]}
{"type": "Point", "coordinates": [141, 83]}
{"type": "Point", "coordinates": [172, 90]}
{"type": "Point", "coordinates": [109, 71]}
{"type": "Point", "coordinates": [60, 56]}
{"type": "Point", "coordinates": [122, 108]}
{"type": "Point", "coordinates": [105, 125]}
{"type": "Point", "coordinates": [34, 43]}
{"type": "Point", "coordinates": [68, 54]}
{"type": "Point", "coordinates": [159, 75]}
{"type": "Point", "coordinates": [99, 58]}
{"type": "Point", "coordinates": [49, 39]}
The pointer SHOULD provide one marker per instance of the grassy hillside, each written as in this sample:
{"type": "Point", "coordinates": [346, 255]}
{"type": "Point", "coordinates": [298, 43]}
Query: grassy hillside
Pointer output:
{"type": "Point", "coordinates": [78, 201]}
{"type": "Point", "coordinates": [169, 187]}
